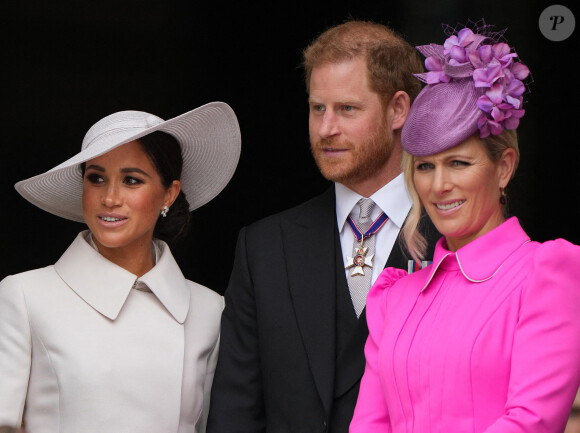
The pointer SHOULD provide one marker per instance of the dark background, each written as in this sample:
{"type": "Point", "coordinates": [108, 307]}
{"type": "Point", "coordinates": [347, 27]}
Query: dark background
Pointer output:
{"type": "Point", "coordinates": [67, 64]}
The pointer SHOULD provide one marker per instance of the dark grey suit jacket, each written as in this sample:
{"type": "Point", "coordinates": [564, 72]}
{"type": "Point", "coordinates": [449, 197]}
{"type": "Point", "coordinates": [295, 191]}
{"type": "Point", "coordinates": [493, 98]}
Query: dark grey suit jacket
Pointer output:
{"type": "Point", "coordinates": [278, 368]}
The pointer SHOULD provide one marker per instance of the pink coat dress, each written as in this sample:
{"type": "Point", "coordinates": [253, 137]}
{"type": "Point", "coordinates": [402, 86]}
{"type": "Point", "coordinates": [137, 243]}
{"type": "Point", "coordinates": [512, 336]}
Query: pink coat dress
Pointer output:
{"type": "Point", "coordinates": [486, 339]}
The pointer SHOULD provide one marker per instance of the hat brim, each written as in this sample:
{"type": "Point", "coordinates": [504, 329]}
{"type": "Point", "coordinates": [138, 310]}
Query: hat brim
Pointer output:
{"type": "Point", "coordinates": [210, 143]}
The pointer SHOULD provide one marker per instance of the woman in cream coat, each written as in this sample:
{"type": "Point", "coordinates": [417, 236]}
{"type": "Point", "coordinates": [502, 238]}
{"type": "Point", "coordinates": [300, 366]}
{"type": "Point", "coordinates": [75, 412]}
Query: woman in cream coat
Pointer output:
{"type": "Point", "coordinates": [113, 338]}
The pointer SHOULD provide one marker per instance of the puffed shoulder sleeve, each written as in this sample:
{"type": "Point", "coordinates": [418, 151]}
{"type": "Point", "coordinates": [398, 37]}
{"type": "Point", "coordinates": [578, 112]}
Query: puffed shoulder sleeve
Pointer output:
{"type": "Point", "coordinates": [371, 412]}
{"type": "Point", "coordinates": [545, 372]}
{"type": "Point", "coordinates": [375, 308]}
{"type": "Point", "coordinates": [15, 351]}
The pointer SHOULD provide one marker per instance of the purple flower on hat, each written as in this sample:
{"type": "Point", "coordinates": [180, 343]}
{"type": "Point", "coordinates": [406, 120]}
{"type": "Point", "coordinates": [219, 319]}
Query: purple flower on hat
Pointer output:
{"type": "Point", "coordinates": [436, 74]}
{"type": "Point", "coordinates": [509, 118]}
{"type": "Point", "coordinates": [491, 65]}
{"type": "Point", "coordinates": [491, 101]}
{"type": "Point", "coordinates": [488, 74]}
{"type": "Point", "coordinates": [520, 71]}
{"type": "Point", "coordinates": [513, 90]}
{"type": "Point", "coordinates": [458, 56]}
{"type": "Point", "coordinates": [513, 120]}
{"type": "Point", "coordinates": [488, 69]}
{"type": "Point", "coordinates": [488, 126]}
{"type": "Point", "coordinates": [503, 53]}
{"type": "Point", "coordinates": [464, 38]}
{"type": "Point", "coordinates": [455, 46]}
{"type": "Point", "coordinates": [504, 114]}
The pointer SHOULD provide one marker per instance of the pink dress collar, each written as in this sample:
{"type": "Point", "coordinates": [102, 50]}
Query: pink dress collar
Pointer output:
{"type": "Point", "coordinates": [482, 258]}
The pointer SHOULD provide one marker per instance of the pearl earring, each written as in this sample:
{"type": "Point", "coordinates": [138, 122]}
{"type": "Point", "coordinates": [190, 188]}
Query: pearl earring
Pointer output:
{"type": "Point", "coordinates": [164, 211]}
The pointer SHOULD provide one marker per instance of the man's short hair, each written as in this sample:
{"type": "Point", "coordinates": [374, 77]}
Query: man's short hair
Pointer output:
{"type": "Point", "coordinates": [391, 61]}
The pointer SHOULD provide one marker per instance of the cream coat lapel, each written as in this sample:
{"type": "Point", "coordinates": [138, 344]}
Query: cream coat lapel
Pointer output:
{"type": "Point", "coordinates": [106, 286]}
{"type": "Point", "coordinates": [169, 285]}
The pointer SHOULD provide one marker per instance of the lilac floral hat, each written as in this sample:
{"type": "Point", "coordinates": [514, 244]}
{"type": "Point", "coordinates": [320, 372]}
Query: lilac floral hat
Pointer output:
{"type": "Point", "coordinates": [474, 82]}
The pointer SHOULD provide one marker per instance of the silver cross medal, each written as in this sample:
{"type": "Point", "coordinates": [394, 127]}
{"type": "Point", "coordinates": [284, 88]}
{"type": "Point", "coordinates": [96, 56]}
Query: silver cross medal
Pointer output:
{"type": "Point", "coordinates": [359, 261]}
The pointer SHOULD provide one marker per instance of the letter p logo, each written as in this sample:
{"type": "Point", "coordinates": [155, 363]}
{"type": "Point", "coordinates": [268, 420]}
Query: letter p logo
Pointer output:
{"type": "Point", "coordinates": [557, 19]}
{"type": "Point", "coordinates": [557, 23]}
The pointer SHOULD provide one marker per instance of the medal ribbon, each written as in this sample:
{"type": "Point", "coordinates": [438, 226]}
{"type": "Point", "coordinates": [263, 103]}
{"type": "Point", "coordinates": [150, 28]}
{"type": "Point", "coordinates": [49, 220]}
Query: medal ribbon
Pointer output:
{"type": "Point", "coordinates": [375, 227]}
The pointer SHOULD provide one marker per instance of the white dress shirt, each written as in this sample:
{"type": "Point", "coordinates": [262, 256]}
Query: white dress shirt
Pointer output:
{"type": "Point", "coordinates": [393, 199]}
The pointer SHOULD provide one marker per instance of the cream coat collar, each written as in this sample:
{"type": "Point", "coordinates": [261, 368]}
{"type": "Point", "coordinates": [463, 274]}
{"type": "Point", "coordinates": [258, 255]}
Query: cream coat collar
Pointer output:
{"type": "Point", "coordinates": [106, 286]}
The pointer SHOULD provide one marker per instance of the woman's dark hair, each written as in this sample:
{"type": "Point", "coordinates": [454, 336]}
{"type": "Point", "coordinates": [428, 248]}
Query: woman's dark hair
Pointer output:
{"type": "Point", "coordinates": [165, 153]}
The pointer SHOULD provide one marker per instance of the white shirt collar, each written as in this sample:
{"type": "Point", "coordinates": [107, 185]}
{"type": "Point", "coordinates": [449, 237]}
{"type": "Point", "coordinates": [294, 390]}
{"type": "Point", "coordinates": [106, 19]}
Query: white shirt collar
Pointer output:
{"type": "Point", "coordinates": [393, 199]}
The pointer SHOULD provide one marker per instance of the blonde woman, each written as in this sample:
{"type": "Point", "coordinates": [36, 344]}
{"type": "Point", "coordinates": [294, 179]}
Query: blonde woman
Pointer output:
{"type": "Point", "coordinates": [487, 338]}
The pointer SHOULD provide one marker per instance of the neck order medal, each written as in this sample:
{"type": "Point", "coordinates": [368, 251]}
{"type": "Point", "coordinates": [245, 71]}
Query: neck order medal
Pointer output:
{"type": "Point", "coordinates": [360, 260]}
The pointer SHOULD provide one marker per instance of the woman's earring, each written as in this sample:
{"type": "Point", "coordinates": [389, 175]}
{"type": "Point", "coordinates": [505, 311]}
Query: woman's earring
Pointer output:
{"type": "Point", "coordinates": [502, 197]}
{"type": "Point", "coordinates": [164, 211]}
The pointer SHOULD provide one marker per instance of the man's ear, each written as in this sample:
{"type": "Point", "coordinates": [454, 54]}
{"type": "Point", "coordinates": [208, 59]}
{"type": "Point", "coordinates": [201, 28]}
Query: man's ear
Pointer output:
{"type": "Point", "coordinates": [398, 109]}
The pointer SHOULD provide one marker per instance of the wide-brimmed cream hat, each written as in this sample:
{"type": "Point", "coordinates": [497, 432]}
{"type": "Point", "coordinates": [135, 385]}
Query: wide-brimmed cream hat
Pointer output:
{"type": "Point", "coordinates": [210, 145]}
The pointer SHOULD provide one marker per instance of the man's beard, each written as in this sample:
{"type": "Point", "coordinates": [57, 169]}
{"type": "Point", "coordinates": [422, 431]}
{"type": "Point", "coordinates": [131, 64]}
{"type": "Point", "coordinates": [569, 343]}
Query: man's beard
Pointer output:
{"type": "Point", "coordinates": [363, 161]}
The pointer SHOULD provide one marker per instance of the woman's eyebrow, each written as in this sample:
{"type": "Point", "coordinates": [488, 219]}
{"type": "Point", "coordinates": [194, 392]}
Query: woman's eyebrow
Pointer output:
{"type": "Point", "coordinates": [95, 167]}
{"type": "Point", "coordinates": [134, 170]}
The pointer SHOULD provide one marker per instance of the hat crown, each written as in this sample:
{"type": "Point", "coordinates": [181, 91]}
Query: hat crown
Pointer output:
{"type": "Point", "coordinates": [442, 116]}
{"type": "Point", "coordinates": [119, 127]}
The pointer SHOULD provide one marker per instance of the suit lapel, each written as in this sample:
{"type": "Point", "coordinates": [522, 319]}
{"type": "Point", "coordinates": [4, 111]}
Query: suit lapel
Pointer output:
{"type": "Point", "coordinates": [397, 258]}
{"type": "Point", "coordinates": [309, 240]}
